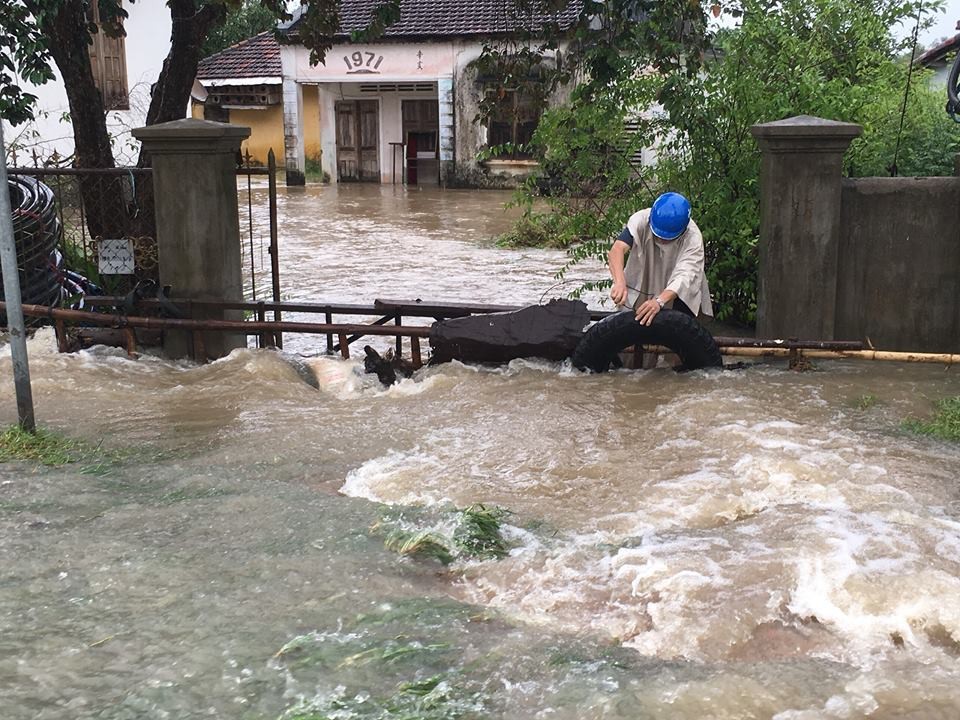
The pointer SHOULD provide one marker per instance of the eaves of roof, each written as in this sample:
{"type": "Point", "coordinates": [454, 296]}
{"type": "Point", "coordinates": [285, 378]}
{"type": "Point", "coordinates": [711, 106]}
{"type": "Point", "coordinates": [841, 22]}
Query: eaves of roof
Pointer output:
{"type": "Point", "coordinates": [940, 52]}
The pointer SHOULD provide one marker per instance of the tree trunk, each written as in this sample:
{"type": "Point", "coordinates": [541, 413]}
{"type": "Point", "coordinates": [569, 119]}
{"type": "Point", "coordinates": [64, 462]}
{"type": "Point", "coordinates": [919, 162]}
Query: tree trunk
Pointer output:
{"type": "Point", "coordinates": [192, 21]}
{"type": "Point", "coordinates": [104, 207]}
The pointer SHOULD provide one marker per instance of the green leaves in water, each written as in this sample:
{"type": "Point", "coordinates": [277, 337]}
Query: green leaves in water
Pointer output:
{"type": "Point", "coordinates": [476, 535]}
{"type": "Point", "coordinates": [944, 425]}
{"type": "Point", "coordinates": [424, 543]}
{"type": "Point", "coordinates": [434, 698]}
{"type": "Point", "coordinates": [401, 661]}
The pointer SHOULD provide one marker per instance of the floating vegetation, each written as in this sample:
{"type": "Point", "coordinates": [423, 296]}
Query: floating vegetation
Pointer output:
{"type": "Point", "coordinates": [478, 533]}
{"type": "Point", "coordinates": [473, 533]}
{"type": "Point", "coordinates": [866, 401]}
{"type": "Point", "coordinates": [393, 650]}
{"type": "Point", "coordinates": [424, 543]}
{"type": "Point", "coordinates": [944, 425]}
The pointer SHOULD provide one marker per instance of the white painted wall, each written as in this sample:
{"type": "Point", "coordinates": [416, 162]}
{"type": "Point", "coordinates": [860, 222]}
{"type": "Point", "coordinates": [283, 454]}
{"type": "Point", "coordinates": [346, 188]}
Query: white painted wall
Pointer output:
{"type": "Point", "coordinates": [147, 44]}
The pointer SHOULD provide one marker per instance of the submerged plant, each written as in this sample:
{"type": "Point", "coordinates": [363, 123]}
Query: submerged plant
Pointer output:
{"type": "Point", "coordinates": [433, 698]}
{"type": "Point", "coordinates": [476, 535]}
{"type": "Point", "coordinates": [866, 401]}
{"type": "Point", "coordinates": [944, 425]}
{"type": "Point", "coordinates": [423, 543]}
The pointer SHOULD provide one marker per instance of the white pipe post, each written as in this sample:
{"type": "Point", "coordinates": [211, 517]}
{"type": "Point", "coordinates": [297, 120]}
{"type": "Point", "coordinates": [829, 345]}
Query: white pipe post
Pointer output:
{"type": "Point", "coordinates": [11, 291]}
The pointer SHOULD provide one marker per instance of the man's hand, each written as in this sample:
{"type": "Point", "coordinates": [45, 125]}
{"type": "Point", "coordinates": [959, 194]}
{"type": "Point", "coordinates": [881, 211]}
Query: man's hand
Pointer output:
{"type": "Point", "coordinates": [648, 311]}
{"type": "Point", "coordinates": [619, 293]}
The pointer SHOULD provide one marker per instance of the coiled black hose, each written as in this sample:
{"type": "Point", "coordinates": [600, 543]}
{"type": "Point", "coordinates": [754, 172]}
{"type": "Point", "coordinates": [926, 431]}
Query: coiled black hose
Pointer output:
{"type": "Point", "coordinates": [36, 232]}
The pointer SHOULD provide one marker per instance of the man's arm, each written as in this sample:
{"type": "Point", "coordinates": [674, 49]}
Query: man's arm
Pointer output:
{"type": "Point", "coordinates": [616, 260]}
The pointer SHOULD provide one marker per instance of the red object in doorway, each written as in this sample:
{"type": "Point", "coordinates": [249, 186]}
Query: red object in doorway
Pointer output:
{"type": "Point", "coordinates": [411, 159]}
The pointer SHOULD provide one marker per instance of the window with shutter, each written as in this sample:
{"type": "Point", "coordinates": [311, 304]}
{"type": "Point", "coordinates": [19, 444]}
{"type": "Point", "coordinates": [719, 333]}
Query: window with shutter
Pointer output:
{"type": "Point", "coordinates": [108, 61]}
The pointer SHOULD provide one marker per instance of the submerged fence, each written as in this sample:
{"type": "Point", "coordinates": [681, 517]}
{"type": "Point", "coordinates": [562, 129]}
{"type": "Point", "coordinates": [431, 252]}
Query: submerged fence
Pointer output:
{"type": "Point", "coordinates": [94, 208]}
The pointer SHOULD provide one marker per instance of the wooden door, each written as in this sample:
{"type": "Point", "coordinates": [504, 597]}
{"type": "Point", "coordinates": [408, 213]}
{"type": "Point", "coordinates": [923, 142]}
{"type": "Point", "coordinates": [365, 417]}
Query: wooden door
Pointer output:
{"type": "Point", "coordinates": [358, 145]}
{"type": "Point", "coordinates": [368, 113]}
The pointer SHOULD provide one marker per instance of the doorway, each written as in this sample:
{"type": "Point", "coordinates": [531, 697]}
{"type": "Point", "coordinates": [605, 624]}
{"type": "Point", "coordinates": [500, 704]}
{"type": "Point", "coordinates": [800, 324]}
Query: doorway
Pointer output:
{"type": "Point", "coordinates": [358, 140]}
{"type": "Point", "coordinates": [421, 131]}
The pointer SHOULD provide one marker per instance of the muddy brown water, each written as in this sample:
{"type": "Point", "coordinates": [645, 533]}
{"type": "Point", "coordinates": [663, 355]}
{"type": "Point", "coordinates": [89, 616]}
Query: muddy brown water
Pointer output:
{"type": "Point", "coordinates": [751, 544]}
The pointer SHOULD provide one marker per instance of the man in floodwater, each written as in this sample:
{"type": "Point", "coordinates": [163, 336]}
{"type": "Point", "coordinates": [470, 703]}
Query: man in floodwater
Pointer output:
{"type": "Point", "coordinates": [665, 267]}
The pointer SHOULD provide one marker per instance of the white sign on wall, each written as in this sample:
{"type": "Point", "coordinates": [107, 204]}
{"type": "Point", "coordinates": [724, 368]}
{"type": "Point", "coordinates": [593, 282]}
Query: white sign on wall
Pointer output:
{"type": "Point", "coordinates": [116, 256]}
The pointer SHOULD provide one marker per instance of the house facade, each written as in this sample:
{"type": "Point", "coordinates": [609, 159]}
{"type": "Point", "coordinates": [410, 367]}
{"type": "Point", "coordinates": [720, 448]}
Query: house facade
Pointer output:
{"type": "Point", "coordinates": [401, 109]}
{"type": "Point", "coordinates": [243, 85]}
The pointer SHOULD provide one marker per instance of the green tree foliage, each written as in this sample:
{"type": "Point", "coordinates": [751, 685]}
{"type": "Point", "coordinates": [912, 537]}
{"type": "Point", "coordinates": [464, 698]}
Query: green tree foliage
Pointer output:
{"type": "Point", "coordinates": [30, 29]}
{"type": "Point", "coordinates": [244, 21]}
{"type": "Point", "coordinates": [23, 52]}
{"type": "Point", "coordinates": [695, 95]}
{"type": "Point", "coordinates": [828, 58]}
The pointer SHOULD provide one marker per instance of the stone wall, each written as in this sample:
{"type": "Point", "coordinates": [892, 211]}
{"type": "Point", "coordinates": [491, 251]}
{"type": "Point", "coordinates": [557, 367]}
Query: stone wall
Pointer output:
{"type": "Point", "coordinates": [898, 279]}
{"type": "Point", "coordinates": [853, 259]}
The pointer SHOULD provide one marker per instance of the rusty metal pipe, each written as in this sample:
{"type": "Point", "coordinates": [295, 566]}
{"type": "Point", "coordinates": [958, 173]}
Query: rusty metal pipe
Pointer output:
{"type": "Point", "coordinates": [249, 328]}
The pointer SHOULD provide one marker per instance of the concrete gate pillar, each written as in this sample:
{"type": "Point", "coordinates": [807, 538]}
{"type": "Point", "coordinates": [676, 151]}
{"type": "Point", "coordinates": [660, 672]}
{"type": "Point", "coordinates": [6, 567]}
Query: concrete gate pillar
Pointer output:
{"type": "Point", "coordinates": [800, 193]}
{"type": "Point", "coordinates": [198, 229]}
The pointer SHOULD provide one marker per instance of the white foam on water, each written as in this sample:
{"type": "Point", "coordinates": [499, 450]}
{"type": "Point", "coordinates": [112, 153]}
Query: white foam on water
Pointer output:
{"type": "Point", "coordinates": [398, 478]}
{"type": "Point", "coordinates": [785, 544]}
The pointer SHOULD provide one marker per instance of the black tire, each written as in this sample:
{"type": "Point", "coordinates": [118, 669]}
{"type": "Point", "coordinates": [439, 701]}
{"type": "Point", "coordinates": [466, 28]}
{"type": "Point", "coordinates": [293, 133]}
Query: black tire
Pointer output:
{"type": "Point", "coordinates": [670, 328]}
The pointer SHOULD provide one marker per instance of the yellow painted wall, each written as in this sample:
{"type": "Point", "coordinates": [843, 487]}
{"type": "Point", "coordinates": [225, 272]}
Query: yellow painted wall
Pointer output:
{"type": "Point", "coordinates": [266, 131]}
{"type": "Point", "coordinates": [266, 128]}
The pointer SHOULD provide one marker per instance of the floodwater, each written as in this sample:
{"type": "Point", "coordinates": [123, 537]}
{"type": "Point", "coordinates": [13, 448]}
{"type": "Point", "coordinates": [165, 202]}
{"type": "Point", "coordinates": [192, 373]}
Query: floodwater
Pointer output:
{"type": "Point", "coordinates": [740, 544]}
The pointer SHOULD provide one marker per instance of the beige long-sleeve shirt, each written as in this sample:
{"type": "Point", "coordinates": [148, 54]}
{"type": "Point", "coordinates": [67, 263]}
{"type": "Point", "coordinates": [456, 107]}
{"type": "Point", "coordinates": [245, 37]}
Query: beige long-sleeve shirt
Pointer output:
{"type": "Point", "coordinates": [654, 265]}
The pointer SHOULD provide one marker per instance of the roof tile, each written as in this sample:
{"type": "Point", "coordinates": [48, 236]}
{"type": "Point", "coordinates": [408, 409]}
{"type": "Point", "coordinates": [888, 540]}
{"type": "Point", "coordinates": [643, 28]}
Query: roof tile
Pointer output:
{"type": "Point", "coordinates": [448, 18]}
{"type": "Point", "coordinates": [258, 56]}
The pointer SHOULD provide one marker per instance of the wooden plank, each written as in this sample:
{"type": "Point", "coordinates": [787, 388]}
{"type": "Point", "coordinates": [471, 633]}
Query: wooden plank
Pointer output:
{"type": "Point", "coordinates": [415, 352]}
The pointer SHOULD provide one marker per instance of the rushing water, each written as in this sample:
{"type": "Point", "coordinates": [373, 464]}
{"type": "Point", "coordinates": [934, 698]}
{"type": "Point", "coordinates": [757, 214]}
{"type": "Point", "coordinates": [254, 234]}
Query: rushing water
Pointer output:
{"type": "Point", "coordinates": [739, 544]}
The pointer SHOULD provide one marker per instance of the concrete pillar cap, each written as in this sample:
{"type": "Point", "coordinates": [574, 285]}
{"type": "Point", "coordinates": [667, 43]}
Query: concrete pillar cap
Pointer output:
{"type": "Point", "coordinates": [805, 133]}
{"type": "Point", "coordinates": [191, 136]}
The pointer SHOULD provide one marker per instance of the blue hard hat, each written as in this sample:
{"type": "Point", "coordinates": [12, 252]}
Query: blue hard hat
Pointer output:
{"type": "Point", "coordinates": [669, 216]}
